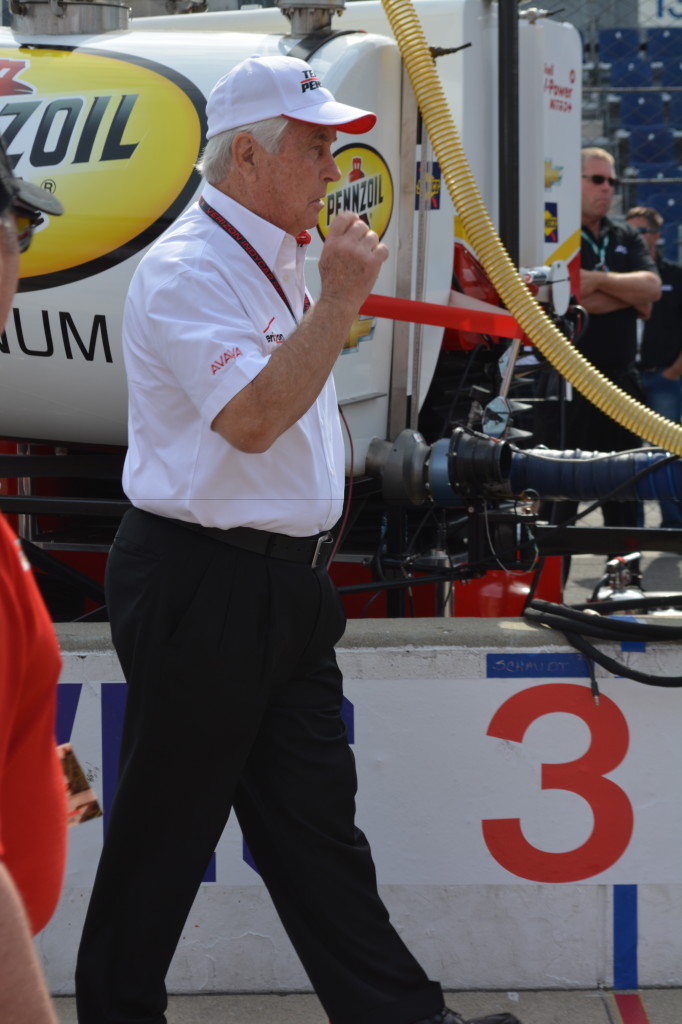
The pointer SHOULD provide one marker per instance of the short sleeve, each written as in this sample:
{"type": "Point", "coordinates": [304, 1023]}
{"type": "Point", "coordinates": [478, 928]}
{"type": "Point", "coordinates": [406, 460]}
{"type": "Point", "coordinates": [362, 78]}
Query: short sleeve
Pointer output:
{"type": "Point", "coordinates": [211, 348]}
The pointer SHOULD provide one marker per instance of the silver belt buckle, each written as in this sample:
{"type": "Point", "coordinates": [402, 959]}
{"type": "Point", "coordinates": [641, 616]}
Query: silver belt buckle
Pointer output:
{"type": "Point", "coordinates": [323, 539]}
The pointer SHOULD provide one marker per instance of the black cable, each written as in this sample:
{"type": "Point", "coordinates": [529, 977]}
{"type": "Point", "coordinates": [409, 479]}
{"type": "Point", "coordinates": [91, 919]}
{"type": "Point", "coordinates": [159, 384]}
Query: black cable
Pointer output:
{"type": "Point", "coordinates": [430, 512]}
{"type": "Point", "coordinates": [594, 685]}
{"type": "Point", "coordinates": [626, 604]}
{"type": "Point", "coordinates": [368, 604]}
{"type": "Point", "coordinates": [575, 625]}
{"type": "Point", "coordinates": [537, 573]}
{"type": "Point", "coordinates": [611, 665]}
{"type": "Point", "coordinates": [596, 625]}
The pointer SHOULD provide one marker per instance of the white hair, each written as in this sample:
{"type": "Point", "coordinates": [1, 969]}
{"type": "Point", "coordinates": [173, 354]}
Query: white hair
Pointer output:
{"type": "Point", "coordinates": [596, 153]}
{"type": "Point", "coordinates": [216, 159]}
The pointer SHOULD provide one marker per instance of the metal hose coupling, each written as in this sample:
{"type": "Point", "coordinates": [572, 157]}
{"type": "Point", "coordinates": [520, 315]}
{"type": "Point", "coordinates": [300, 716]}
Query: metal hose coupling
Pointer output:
{"type": "Point", "coordinates": [450, 472]}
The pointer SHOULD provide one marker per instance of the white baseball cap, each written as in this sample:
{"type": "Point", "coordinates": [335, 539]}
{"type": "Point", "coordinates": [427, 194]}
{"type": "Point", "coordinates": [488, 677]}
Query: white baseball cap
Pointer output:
{"type": "Point", "coordinates": [262, 87]}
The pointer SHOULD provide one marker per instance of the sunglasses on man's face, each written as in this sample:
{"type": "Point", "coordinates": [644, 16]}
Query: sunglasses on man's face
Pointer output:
{"type": "Point", "coordinates": [599, 179]}
{"type": "Point", "coordinates": [646, 231]}
{"type": "Point", "coordinates": [26, 224]}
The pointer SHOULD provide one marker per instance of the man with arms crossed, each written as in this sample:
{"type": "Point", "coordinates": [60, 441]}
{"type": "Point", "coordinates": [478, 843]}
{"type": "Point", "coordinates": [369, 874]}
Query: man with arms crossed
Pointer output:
{"type": "Point", "coordinates": [618, 284]}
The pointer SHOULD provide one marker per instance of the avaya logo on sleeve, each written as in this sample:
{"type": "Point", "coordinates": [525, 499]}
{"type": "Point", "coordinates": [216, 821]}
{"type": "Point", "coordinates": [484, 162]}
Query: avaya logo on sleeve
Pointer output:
{"type": "Point", "coordinates": [228, 354]}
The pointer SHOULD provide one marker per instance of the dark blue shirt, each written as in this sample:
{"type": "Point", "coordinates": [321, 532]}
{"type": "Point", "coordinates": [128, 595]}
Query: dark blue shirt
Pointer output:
{"type": "Point", "coordinates": [610, 340]}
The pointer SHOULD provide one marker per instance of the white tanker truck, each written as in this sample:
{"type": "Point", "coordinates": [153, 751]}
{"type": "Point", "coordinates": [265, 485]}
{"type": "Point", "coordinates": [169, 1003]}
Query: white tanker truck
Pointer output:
{"type": "Point", "coordinates": [107, 111]}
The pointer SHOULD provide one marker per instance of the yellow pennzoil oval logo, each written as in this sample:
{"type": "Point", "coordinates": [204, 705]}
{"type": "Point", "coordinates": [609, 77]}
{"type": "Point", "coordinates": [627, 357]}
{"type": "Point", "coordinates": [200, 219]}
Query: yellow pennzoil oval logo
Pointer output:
{"type": "Point", "coordinates": [115, 138]}
{"type": "Point", "coordinates": [365, 188]}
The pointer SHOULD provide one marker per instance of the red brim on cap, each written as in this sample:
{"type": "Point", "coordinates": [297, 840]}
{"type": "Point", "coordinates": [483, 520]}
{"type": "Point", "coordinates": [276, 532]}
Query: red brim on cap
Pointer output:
{"type": "Point", "coordinates": [332, 114]}
{"type": "Point", "coordinates": [359, 124]}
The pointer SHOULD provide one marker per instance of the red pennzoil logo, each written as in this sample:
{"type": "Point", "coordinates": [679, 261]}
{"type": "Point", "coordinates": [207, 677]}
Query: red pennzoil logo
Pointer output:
{"type": "Point", "coordinates": [114, 137]}
{"type": "Point", "coordinates": [365, 188]}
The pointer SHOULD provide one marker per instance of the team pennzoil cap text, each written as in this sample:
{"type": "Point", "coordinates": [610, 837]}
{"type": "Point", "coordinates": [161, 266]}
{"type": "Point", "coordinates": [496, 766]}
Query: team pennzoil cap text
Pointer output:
{"type": "Point", "coordinates": [263, 87]}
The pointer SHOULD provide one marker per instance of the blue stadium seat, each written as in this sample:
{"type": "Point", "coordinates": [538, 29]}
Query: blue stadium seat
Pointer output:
{"type": "Point", "coordinates": [650, 195]}
{"type": "Point", "coordinates": [671, 73]}
{"type": "Point", "coordinates": [664, 44]}
{"type": "Point", "coordinates": [675, 110]}
{"type": "Point", "coordinates": [668, 203]}
{"type": "Point", "coordinates": [652, 146]}
{"type": "Point", "coordinates": [670, 239]}
{"type": "Point", "coordinates": [642, 110]}
{"type": "Point", "coordinates": [656, 170]}
{"type": "Point", "coordinates": [641, 190]}
{"type": "Point", "coordinates": [618, 44]}
{"type": "Point", "coordinates": [632, 74]}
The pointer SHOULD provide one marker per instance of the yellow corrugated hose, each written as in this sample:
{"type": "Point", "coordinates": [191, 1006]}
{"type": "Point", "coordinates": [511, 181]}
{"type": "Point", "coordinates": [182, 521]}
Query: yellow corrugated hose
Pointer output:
{"type": "Point", "coordinates": [492, 254]}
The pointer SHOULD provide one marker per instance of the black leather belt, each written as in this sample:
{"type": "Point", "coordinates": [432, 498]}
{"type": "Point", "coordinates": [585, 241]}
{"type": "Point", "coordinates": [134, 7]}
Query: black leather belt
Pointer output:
{"type": "Point", "coordinates": [311, 550]}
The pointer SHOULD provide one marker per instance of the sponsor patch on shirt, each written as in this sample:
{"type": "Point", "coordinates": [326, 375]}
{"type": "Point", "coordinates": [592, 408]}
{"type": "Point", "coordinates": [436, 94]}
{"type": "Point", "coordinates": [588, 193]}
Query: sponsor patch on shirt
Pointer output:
{"type": "Point", "coordinates": [224, 359]}
{"type": "Point", "coordinates": [621, 248]}
{"type": "Point", "coordinates": [272, 337]}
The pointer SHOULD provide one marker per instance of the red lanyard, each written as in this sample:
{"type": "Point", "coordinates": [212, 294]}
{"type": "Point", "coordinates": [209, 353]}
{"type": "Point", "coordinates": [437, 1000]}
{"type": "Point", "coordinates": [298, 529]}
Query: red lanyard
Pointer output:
{"type": "Point", "coordinates": [232, 231]}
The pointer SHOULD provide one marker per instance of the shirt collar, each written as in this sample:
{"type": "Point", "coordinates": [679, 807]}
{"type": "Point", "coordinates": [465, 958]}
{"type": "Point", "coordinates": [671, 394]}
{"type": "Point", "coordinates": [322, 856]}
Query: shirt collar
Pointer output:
{"type": "Point", "coordinates": [265, 237]}
{"type": "Point", "coordinates": [605, 225]}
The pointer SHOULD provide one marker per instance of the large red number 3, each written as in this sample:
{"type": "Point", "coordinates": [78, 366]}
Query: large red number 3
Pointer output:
{"type": "Point", "coordinates": [613, 818]}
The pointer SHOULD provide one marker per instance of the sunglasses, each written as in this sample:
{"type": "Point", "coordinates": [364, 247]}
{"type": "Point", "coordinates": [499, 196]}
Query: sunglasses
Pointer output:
{"type": "Point", "coordinates": [599, 179]}
{"type": "Point", "coordinates": [26, 225]}
{"type": "Point", "coordinates": [646, 231]}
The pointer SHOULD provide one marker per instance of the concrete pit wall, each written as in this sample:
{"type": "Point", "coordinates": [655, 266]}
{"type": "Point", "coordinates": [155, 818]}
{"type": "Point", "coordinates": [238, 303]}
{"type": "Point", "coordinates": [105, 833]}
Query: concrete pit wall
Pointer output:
{"type": "Point", "coordinates": [495, 880]}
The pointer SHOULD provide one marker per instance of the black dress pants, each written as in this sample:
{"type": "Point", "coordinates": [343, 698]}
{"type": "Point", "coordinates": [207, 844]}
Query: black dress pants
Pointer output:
{"type": "Point", "coordinates": [234, 700]}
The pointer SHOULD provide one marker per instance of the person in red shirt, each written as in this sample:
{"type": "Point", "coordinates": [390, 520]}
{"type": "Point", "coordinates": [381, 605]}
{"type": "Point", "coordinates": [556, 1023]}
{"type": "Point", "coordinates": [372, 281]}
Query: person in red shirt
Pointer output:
{"type": "Point", "coordinates": [33, 813]}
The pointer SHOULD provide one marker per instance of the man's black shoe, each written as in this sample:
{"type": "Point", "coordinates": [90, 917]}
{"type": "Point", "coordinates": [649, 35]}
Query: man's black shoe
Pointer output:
{"type": "Point", "coordinates": [446, 1016]}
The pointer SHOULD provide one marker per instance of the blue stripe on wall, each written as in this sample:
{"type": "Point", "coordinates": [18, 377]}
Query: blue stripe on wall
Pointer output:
{"type": "Point", "coordinates": [68, 695]}
{"type": "Point", "coordinates": [625, 937]}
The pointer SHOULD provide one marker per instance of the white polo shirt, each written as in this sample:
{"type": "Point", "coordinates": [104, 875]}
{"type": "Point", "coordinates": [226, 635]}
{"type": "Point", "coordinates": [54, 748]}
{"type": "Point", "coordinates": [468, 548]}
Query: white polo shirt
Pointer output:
{"type": "Point", "coordinates": [201, 320]}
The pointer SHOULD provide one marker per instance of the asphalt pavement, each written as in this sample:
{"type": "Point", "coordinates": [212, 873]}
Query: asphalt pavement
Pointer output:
{"type": "Point", "coordinates": [653, 1006]}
